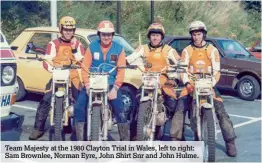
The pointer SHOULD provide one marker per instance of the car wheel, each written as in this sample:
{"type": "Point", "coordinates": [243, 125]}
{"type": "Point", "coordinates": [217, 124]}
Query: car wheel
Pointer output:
{"type": "Point", "coordinates": [21, 92]}
{"type": "Point", "coordinates": [248, 88]}
{"type": "Point", "coordinates": [129, 100]}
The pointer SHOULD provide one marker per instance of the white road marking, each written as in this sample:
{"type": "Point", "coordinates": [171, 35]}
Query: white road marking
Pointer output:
{"type": "Point", "coordinates": [252, 119]}
{"type": "Point", "coordinates": [244, 123]}
{"type": "Point", "coordinates": [233, 97]}
{"type": "Point", "coordinates": [24, 107]}
{"type": "Point", "coordinates": [241, 116]}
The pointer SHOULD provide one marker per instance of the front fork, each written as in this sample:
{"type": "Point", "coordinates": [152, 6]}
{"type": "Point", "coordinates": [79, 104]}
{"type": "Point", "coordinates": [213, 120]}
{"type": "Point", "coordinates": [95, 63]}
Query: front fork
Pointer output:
{"type": "Point", "coordinates": [154, 112]}
{"type": "Point", "coordinates": [61, 91]}
{"type": "Point", "coordinates": [105, 115]}
{"type": "Point", "coordinates": [199, 116]}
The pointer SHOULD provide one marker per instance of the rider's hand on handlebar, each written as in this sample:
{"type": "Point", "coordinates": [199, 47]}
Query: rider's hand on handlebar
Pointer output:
{"type": "Point", "coordinates": [171, 83]}
{"type": "Point", "coordinates": [189, 87]}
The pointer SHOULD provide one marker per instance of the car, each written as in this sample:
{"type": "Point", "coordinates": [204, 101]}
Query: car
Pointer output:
{"type": "Point", "coordinates": [240, 70]}
{"type": "Point", "coordinates": [256, 49]}
{"type": "Point", "coordinates": [9, 120]}
{"type": "Point", "coordinates": [32, 77]}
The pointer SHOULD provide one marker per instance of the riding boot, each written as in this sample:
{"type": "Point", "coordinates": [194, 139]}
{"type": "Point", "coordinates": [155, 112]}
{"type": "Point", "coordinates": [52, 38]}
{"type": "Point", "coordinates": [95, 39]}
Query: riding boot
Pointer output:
{"type": "Point", "coordinates": [231, 148]}
{"type": "Point", "coordinates": [123, 129]}
{"type": "Point", "coordinates": [80, 130]}
{"type": "Point", "coordinates": [40, 119]}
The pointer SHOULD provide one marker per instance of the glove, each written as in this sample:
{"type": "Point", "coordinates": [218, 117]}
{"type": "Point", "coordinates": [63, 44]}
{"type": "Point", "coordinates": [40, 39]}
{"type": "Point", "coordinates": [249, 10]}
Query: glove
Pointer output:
{"type": "Point", "coordinates": [171, 83]}
{"type": "Point", "coordinates": [190, 87]}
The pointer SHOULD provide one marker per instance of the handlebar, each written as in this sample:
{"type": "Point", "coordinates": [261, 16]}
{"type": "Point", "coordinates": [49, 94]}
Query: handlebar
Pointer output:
{"type": "Point", "coordinates": [62, 67]}
{"type": "Point", "coordinates": [180, 68]}
{"type": "Point", "coordinates": [112, 69]}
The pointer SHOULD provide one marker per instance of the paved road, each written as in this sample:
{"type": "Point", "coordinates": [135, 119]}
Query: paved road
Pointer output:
{"type": "Point", "coordinates": [246, 117]}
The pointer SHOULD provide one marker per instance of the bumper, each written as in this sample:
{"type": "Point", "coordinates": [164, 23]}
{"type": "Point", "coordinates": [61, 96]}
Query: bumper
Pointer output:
{"type": "Point", "coordinates": [12, 121]}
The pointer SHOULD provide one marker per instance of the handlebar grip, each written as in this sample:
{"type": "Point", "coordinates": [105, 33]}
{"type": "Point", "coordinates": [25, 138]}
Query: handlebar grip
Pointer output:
{"type": "Point", "coordinates": [182, 65]}
{"type": "Point", "coordinates": [131, 66]}
{"type": "Point", "coordinates": [66, 66]}
{"type": "Point", "coordinates": [168, 71]}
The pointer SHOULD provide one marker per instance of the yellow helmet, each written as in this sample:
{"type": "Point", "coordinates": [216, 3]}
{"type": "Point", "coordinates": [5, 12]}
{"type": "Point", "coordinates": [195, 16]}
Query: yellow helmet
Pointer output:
{"type": "Point", "coordinates": [67, 22]}
{"type": "Point", "coordinates": [197, 25]}
{"type": "Point", "coordinates": [156, 28]}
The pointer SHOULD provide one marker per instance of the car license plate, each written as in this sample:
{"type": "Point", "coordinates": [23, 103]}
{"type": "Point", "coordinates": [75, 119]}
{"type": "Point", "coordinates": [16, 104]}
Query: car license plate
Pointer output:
{"type": "Point", "coordinates": [5, 100]}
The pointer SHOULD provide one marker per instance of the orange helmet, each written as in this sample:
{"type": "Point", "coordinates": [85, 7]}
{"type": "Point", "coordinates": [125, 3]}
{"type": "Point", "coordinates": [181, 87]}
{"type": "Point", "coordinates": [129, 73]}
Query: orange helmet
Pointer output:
{"type": "Point", "coordinates": [105, 27]}
{"type": "Point", "coordinates": [156, 28]}
{"type": "Point", "coordinates": [67, 22]}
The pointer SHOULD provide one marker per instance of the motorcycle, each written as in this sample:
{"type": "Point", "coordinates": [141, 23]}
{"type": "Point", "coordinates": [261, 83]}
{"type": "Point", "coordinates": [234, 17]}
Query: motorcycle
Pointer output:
{"type": "Point", "coordinates": [152, 111]}
{"type": "Point", "coordinates": [99, 118]}
{"type": "Point", "coordinates": [61, 111]}
{"type": "Point", "coordinates": [202, 116]}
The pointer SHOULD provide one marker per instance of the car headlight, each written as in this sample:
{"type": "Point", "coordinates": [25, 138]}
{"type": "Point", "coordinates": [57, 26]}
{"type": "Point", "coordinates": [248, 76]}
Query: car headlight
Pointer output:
{"type": "Point", "coordinates": [8, 74]}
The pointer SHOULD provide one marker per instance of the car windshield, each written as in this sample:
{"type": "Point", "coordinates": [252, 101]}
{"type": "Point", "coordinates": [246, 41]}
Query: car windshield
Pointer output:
{"type": "Point", "coordinates": [233, 49]}
{"type": "Point", "coordinates": [119, 39]}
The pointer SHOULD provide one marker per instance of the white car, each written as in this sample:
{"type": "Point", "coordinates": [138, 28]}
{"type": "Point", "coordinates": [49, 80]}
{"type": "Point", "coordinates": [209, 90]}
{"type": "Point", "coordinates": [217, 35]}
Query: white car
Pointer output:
{"type": "Point", "coordinates": [8, 87]}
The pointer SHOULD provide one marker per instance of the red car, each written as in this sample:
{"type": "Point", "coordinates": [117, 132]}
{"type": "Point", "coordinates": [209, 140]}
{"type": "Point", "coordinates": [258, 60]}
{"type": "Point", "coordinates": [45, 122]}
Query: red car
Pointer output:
{"type": "Point", "coordinates": [256, 49]}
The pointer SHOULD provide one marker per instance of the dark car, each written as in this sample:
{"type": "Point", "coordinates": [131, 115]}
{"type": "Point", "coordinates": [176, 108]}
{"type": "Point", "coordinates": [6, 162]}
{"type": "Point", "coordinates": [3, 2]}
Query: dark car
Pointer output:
{"type": "Point", "coordinates": [240, 70]}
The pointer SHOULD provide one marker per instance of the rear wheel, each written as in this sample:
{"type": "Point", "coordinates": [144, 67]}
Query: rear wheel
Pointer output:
{"type": "Point", "coordinates": [208, 135]}
{"type": "Point", "coordinates": [58, 117]}
{"type": "Point", "coordinates": [96, 123]}
{"type": "Point", "coordinates": [143, 122]}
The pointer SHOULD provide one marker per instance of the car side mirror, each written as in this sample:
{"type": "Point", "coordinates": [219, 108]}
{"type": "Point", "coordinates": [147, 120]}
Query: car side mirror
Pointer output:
{"type": "Point", "coordinates": [14, 47]}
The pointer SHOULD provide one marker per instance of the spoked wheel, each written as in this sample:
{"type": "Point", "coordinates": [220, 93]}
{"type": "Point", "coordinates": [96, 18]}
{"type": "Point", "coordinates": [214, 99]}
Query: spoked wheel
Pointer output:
{"type": "Point", "coordinates": [144, 128]}
{"type": "Point", "coordinates": [58, 118]}
{"type": "Point", "coordinates": [208, 135]}
{"type": "Point", "coordinates": [96, 123]}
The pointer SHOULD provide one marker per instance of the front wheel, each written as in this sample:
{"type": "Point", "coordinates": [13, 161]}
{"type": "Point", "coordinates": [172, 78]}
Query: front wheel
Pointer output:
{"type": "Point", "coordinates": [96, 123]}
{"type": "Point", "coordinates": [208, 135]}
{"type": "Point", "coordinates": [58, 118]}
{"type": "Point", "coordinates": [143, 122]}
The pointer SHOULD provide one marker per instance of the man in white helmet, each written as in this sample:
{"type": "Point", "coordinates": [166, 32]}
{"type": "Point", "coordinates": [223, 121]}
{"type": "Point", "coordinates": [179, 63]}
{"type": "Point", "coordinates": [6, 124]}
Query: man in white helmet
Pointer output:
{"type": "Point", "coordinates": [201, 56]}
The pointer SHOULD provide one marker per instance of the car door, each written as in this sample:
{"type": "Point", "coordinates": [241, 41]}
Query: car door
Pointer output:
{"type": "Point", "coordinates": [32, 73]}
{"type": "Point", "coordinates": [180, 44]}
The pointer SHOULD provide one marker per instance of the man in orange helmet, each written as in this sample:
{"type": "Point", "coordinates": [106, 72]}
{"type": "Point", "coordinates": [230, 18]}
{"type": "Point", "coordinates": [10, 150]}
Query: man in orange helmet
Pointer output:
{"type": "Point", "coordinates": [203, 57]}
{"type": "Point", "coordinates": [159, 55]}
{"type": "Point", "coordinates": [104, 50]}
{"type": "Point", "coordinates": [67, 27]}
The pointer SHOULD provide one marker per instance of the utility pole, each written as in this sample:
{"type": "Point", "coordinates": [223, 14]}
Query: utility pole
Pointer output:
{"type": "Point", "coordinates": [152, 11]}
{"type": "Point", "coordinates": [118, 6]}
{"type": "Point", "coordinates": [53, 16]}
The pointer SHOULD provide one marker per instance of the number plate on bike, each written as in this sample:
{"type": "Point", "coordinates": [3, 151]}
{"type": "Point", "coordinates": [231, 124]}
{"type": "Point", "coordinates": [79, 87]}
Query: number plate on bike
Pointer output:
{"type": "Point", "coordinates": [203, 83]}
{"type": "Point", "coordinates": [98, 82]}
{"type": "Point", "coordinates": [61, 75]}
{"type": "Point", "coordinates": [150, 81]}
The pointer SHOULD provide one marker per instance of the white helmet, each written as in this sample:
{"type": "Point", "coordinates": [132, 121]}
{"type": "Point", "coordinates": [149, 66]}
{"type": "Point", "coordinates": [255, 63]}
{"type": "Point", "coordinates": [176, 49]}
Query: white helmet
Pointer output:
{"type": "Point", "coordinates": [197, 25]}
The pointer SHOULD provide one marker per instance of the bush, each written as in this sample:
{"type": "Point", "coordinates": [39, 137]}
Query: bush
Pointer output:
{"type": "Point", "coordinates": [223, 19]}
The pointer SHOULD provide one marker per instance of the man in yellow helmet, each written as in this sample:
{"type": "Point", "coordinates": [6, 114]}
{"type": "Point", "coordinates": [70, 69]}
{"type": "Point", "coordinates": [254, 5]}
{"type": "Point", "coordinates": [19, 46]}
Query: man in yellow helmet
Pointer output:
{"type": "Point", "coordinates": [201, 56]}
{"type": "Point", "coordinates": [159, 55]}
{"type": "Point", "coordinates": [67, 27]}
